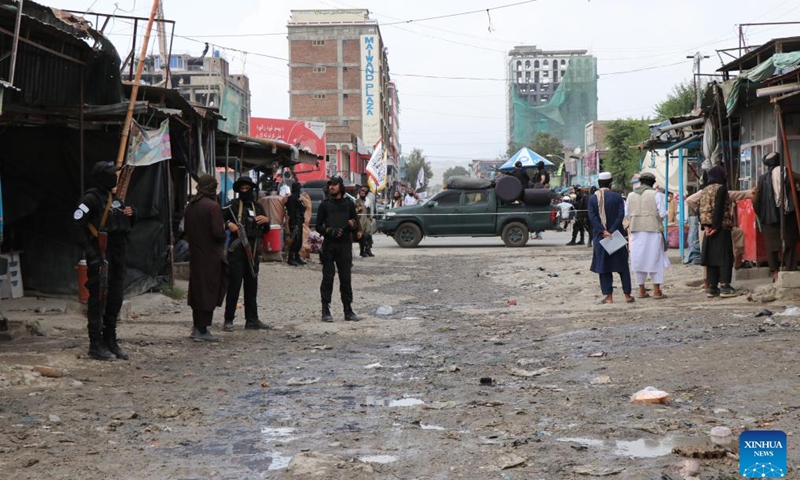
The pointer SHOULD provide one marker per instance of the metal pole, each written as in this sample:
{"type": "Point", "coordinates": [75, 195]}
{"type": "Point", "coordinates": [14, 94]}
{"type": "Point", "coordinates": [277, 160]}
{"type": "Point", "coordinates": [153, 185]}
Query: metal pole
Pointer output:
{"type": "Point", "coordinates": [227, 166]}
{"type": "Point", "coordinates": [135, 89]}
{"type": "Point", "coordinates": [680, 202]}
{"type": "Point", "coordinates": [15, 45]}
{"type": "Point", "coordinates": [666, 195]}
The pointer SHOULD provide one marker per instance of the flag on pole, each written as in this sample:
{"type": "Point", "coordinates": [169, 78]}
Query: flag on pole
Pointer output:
{"type": "Point", "coordinates": [420, 177]}
{"type": "Point", "coordinates": [376, 168]}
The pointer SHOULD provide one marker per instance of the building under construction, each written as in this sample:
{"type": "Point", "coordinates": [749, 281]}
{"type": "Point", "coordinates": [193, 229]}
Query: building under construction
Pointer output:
{"type": "Point", "coordinates": [551, 91]}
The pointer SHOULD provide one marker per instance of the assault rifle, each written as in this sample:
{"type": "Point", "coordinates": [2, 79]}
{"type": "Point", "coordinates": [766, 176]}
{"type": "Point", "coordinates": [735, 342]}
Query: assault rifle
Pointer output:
{"type": "Point", "coordinates": [102, 241]}
{"type": "Point", "coordinates": [243, 241]}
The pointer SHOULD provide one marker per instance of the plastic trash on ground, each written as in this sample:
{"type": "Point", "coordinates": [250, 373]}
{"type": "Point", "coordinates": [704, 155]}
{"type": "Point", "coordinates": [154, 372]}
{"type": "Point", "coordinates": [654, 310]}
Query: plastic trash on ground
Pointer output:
{"type": "Point", "coordinates": [650, 395]}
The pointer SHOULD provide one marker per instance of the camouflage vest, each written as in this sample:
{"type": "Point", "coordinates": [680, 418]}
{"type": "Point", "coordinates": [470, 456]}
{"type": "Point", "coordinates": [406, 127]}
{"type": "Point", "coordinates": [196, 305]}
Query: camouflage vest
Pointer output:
{"type": "Point", "coordinates": [707, 200]}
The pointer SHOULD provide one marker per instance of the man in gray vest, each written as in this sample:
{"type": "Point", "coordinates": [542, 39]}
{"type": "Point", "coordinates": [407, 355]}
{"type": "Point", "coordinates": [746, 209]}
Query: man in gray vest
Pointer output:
{"type": "Point", "coordinates": [645, 209]}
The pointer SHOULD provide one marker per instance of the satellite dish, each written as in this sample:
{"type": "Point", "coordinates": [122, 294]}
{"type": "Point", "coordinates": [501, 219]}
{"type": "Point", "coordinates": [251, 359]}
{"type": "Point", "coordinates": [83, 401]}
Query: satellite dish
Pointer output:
{"type": "Point", "coordinates": [577, 151]}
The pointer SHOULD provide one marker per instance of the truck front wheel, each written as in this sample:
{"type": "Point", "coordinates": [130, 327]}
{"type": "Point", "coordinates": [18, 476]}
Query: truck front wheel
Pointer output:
{"type": "Point", "coordinates": [408, 235]}
{"type": "Point", "coordinates": [515, 234]}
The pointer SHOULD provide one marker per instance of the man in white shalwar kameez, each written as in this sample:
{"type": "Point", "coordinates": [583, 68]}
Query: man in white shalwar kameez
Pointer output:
{"type": "Point", "coordinates": [645, 209]}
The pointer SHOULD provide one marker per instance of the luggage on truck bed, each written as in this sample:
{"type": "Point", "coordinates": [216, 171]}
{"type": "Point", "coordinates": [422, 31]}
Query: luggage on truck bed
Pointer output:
{"type": "Point", "coordinates": [469, 183]}
{"type": "Point", "coordinates": [508, 189]}
{"type": "Point", "coordinates": [537, 197]}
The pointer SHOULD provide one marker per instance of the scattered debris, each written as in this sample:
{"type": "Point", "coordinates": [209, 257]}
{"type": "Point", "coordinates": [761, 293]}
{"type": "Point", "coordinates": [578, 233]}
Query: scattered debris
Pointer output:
{"type": "Point", "coordinates": [552, 275]}
{"type": "Point", "coordinates": [449, 369]}
{"type": "Point", "coordinates": [54, 419]}
{"type": "Point", "coordinates": [790, 312]}
{"type": "Point", "coordinates": [699, 451]}
{"type": "Point", "coordinates": [601, 380]}
{"type": "Point", "coordinates": [440, 405]}
{"type": "Point", "coordinates": [384, 310]}
{"type": "Point", "coordinates": [597, 471]}
{"type": "Point", "coordinates": [264, 385]}
{"type": "Point", "coordinates": [650, 395]}
{"type": "Point", "coordinates": [319, 347]}
{"type": "Point", "coordinates": [126, 416]}
{"type": "Point", "coordinates": [50, 372]}
{"type": "Point", "coordinates": [373, 366]}
{"type": "Point", "coordinates": [597, 354]}
{"type": "Point", "coordinates": [487, 381]}
{"type": "Point", "coordinates": [76, 384]}
{"type": "Point", "coordinates": [769, 322]}
{"type": "Point", "coordinates": [518, 372]}
{"type": "Point", "coordinates": [300, 381]}
{"type": "Point", "coordinates": [689, 468]}
{"type": "Point", "coordinates": [764, 313]}
{"type": "Point", "coordinates": [510, 461]}
{"type": "Point", "coordinates": [511, 303]}
{"type": "Point", "coordinates": [182, 412]}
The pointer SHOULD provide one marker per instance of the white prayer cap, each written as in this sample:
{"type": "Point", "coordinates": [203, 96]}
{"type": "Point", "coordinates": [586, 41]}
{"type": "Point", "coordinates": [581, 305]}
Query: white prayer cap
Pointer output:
{"type": "Point", "coordinates": [604, 176]}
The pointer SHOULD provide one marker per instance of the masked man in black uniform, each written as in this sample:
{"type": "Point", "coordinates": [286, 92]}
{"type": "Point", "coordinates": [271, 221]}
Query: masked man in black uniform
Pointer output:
{"type": "Point", "coordinates": [101, 217]}
{"type": "Point", "coordinates": [337, 222]}
{"type": "Point", "coordinates": [248, 212]}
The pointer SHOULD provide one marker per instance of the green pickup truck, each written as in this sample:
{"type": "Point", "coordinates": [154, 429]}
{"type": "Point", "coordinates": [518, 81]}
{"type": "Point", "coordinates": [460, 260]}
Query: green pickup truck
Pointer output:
{"type": "Point", "coordinates": [467, 213]}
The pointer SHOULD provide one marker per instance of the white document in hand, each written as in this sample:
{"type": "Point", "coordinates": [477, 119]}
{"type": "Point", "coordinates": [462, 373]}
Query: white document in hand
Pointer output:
{"type": "Point", "coordinates": [614, 242]}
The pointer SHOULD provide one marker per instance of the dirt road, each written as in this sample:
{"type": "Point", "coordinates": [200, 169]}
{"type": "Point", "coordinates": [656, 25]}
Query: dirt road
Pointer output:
{"type": "Point", "coordinates": [495, 363]}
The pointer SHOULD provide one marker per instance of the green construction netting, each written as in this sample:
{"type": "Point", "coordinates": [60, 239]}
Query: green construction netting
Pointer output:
{"type": "Point", "coordinates": [565, 115]}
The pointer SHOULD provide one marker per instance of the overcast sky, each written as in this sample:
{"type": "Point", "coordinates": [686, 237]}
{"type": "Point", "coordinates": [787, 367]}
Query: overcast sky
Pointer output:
{"type": "Point", "coordinates": [454, 121]}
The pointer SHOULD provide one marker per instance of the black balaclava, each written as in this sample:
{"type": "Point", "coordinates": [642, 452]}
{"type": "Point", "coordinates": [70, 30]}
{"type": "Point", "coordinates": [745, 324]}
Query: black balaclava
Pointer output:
{"type": "Point", "coordinates": [295, 189]}
{"type": "Point", "coordinates": [104, 175]}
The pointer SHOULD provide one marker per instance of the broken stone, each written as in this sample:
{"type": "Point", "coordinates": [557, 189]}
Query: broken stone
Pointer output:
{"type": "Point", "coordinates": [596, 355]}
{"type": "Point", "coordinates": [764, 313]}
{"type": "Point", "coordinates": [54, 419]}
{"type": "Point", "coordinates": [769, 322]}
{"type": "Point", "coordinates": [518, 372]}
{"type": "Point", "coordinates": [50, 372]}
{"type": "Point", "coordinates": [314, 464]}
{"type": "Point", "coordinates": [127, 416]}
{"type": "Point", "coordinates": [300, 381]}
{"type": "Point", "coordinates": [440, 405]}
{"type": "Point", "coordinates": [76, 384]}
{"type": "Point", "coordinates": [689, 468]}
{"type": "Point", "coordinates": [601, 380]}
{"type": "Point", "coordinates": [597, 471]}
{"type": "Point", "coordinates": [510, 461]}
{"type": "Point", "coordinates": [449, 369]}
{"type": "Point", "coordinates": [373, 366]}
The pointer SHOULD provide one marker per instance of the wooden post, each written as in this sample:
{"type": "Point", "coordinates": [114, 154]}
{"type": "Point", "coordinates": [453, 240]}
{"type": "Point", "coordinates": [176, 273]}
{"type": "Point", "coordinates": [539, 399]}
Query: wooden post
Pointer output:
{"type": "Point", "coordinates": [15, 44]}
{"type": "Point", "coordinates": [790, 172]}
{"type": "Point", "coordinates": [135, 90]}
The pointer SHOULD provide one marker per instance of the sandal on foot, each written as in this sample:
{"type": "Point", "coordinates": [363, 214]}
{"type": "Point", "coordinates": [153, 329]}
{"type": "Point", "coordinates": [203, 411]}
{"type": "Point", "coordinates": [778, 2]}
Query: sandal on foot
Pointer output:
{"type": "Point", "coordinates": [605, 301]}
{"type": "Point", "coordinates": [659, 297]}
{"type": "Point", "coordinates": [646, 295]}
{"type": "Point", "coordinates": [631, 300]}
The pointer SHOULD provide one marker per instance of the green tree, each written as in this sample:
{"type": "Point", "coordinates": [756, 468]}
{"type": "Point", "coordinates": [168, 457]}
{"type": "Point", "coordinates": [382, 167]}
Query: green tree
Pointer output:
{"type": "Point", "coordinates": [680, 101]}
{"type": "Point", "coordinates": [414, 162]}
{"type": "Point", "coordinates": [620, 159]}
{"type": "Point", "coordinates": [546, 144]}
{"type": "Point", "coordinates": [455, 172]}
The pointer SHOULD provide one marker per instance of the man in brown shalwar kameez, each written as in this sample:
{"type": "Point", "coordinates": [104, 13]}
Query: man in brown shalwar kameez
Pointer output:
{"type": "Point", "coordinates": [205, 228]}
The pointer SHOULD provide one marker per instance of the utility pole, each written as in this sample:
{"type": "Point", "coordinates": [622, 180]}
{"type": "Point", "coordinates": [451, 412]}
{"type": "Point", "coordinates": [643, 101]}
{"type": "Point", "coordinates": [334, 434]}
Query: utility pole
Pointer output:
{"type": "Point", "coordinates": [698, 59]}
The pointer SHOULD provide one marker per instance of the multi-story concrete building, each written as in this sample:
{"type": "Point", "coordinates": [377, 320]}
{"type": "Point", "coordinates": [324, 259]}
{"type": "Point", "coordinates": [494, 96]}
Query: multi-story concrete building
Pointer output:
{"type": "Point", "coordinates": [551, 91]}
{"type": "Point", "coordinates": [206, 81]}
{"type": "Point", "coordinates": [339, 74]}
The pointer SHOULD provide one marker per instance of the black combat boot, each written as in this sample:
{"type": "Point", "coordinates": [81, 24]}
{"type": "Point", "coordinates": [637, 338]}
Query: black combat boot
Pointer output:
{"type": "Point", "coordinates": [98, 349]}
{"type": "Point", "coordinates": [255, 325]}
{"type": "Point", "coordinates": [110, 337]}
{"type": "Point", "coordinates": [349, 314]}
{"type": "Point", "coordinates": [326, 312]}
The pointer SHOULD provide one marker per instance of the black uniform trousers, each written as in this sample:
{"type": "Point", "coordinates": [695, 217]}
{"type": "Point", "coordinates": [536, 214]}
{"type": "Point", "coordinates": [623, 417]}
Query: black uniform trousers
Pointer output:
{"type": "Point", "coordinates": [337, 255]}
{"type": "Point", "coordinates": [98, 320]}
{"type": "Point", "coordinates": [579, 226]}
{"type": "Point", "coordinates": [240, 273]}
{"type": "Point", "coordinates": [296, 233]}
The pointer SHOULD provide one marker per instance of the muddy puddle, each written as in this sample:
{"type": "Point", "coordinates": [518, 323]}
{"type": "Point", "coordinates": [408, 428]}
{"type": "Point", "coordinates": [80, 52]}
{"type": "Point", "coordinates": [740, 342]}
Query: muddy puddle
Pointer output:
{"type": "Point", "coordinates": [641, 448]}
